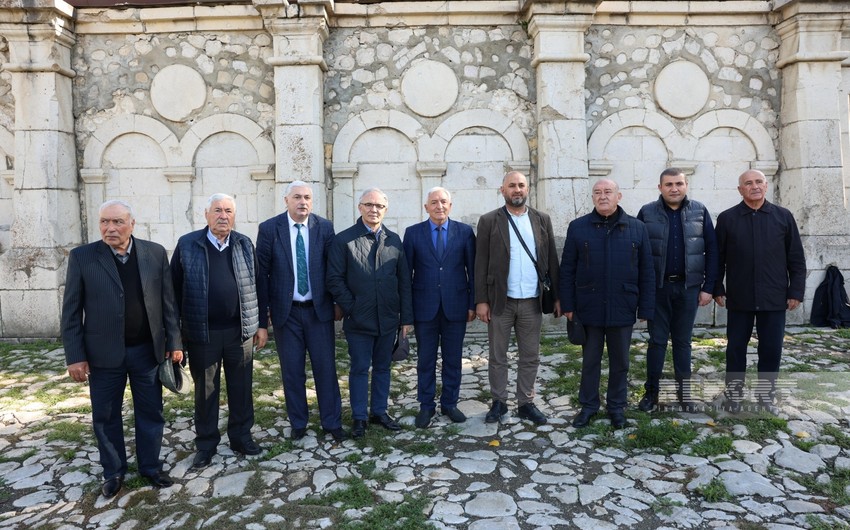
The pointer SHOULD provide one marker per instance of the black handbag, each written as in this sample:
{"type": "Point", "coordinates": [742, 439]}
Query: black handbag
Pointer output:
{"type": "Point", "coordinates": [547, 296]}
{"type": "Point", "coordinates": [401, 348]}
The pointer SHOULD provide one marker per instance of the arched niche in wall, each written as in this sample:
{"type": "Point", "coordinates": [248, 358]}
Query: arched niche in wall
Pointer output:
{"type": "Point", "coordinates": [718, 147]}
{"type": "Point", "coordinates": [139, 159]}
{"type": "Point", "coordinates": [468, 153]}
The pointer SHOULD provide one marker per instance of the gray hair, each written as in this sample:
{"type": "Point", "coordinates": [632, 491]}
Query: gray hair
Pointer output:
{"type": "Point", "coordinates": [296, 184]}
{"type": "Point", "coordinates": [373, 190]}
{"type": "Point", "coordinates": [116, 202]}
{"type": "Point", "coordinates": [435, 189]}
{"type": "Point", "coordinates": [215, 197]}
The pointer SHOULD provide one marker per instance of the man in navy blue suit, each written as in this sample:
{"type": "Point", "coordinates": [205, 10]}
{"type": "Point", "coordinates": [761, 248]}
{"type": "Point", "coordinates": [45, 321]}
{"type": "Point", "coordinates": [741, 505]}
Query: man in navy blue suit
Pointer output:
{"type": "Point", "coordinates": [292, 251]}
{"type": "Point", "coordinates": [441, 256]}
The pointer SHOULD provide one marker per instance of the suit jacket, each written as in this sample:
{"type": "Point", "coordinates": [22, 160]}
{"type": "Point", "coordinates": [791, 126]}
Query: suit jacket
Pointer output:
{"type": "Point", "coordinates": [93, 307]}
{"type": "Point", "coordinates": [493, 256]}
{"type": "Point", "coordinates": [275, 274]}
{"type": "Point", "coordinates": [446, 280]}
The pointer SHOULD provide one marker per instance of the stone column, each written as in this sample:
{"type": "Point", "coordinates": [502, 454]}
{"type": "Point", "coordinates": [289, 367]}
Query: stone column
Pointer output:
{"type": "Point", "coordinates": [811, 183]}
{"type": "Point", "coordinates": [45, 197]}
{"type": "Point", "coordinates": [299, 33]}
{"type": "Point", "coordinates": [559, 59]}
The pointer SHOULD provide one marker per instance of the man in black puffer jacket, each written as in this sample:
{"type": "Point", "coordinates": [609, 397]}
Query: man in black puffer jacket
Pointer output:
{"type": "Point", "coordinates": [214, 273]}
{"type": "Point", "coordinates": [606, 277]}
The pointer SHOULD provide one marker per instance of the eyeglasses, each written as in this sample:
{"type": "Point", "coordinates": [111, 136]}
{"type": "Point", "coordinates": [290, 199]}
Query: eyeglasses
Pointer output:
{"type": "Point", "coordinates": [370, 205]}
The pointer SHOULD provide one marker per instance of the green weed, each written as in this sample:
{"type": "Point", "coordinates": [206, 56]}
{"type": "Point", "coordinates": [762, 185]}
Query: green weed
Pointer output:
{"type": "Point", "coordinates": [712, 445]}
{"type": "Point", "coordinates": [714, 491]}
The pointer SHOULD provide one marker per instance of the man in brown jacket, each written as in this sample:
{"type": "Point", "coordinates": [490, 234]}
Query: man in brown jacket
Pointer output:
{"type": "Point", "coordinates": [509, 284]}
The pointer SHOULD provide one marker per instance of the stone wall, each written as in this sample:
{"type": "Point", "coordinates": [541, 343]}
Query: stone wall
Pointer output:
{"type": "Point", "coordinates": [164, 106]}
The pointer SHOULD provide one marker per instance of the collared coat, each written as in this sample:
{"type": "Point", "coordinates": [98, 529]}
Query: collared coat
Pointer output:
{"type": "Point", "coordinates": [370, 280]}
{"type": "Point", "coordinates": [93, 307]}
{"type": "Point", "coordinates": [761, 257]}
{"type": "Point", "coordinates": [493, 256]}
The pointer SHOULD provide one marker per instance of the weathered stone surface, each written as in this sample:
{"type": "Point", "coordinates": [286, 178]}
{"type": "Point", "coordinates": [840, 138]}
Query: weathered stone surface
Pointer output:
{"type": "Point", "coordinates": [798, 460]}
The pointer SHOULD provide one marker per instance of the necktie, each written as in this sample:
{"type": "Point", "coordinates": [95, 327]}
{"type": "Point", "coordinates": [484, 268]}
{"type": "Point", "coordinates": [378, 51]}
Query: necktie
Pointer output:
{"type": "Point", "coordinates": [301, 262]}
{"type": "Point", "coordinates": [441, 246]}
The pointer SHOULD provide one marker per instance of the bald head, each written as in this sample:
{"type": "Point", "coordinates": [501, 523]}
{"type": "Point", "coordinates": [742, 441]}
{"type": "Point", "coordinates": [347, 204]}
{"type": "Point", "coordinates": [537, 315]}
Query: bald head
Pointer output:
{"type": "Point", "coordinates": [515, 191]}
{"type": "Point", "coordinates": [752, 185]}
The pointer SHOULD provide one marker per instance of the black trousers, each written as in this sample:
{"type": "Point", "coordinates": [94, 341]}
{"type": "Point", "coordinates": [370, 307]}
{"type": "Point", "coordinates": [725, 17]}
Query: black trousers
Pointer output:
{"type": "Point", "coordinates": [770, 326]}
{"type": "Point", "coordinates": [205, 362]}
{"type": "Point", "coordinates": [618, 339]}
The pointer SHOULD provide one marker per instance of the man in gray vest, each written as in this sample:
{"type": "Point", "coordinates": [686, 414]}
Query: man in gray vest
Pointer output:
{"type": "Point", "coordinates": [684, 251]}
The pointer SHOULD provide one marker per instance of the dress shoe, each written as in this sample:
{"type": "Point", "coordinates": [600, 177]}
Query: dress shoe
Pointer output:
{"type": "Point", "coordinates": [112, 486]}
{"type": "Point", "coordinates": [582, 419]}
{"type": "Point", "coordinates": [247, 448]}
{"type": "Point", "coordinates": [453, 413]}
{"type": "Point", "coordinates": [202, 459]}
{"type": "Point", "coordinates": [297, 434]}
{"type": "Point", "coordinates": [618, 420]}
{"type": "Point", "coordinates": [159, 480]}
{"type": "Point", "coordinates": [386, 421]}
{"type": "Point", "coordinates": [530, 412]}
{"type": "Point", "coordinates": [648, 402]}
{"type": "Point", "coordinates": [339, 435]}
{"type": "Point", "coordinates": [358, 429]}
{"type": "Point", "coordinates": [423, 419]}
{"type": "Point", "coordinates": [497, 410]}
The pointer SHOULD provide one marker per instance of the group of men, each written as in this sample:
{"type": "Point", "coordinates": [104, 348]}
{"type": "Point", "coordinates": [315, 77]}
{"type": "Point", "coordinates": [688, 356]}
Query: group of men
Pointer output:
{"type": "Point", "coordinates": [126, 310]}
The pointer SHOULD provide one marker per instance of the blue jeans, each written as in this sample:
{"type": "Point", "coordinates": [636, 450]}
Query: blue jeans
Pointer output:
{"type": "Point", "coordinates": [369, 351]}
{"type": "Point", "coordinates": [675, 311]}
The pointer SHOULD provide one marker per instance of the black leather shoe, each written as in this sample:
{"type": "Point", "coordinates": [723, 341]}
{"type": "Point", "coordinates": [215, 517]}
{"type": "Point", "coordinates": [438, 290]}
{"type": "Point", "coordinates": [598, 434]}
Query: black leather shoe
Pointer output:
{"type": "Point", "coordinates": [358, 429]}
{"type": "Point", "coordinates": [618, 420]}
{"type": "Point", "coordinates": [247, 448]}
{"type": "Point", "coordinates": [497, 410]}
{"type": "Point", "coordinates": [582, 419]}
{"type": "Point", "coordinates": [112, 486]}
{"type": "Point", "coordinates": [202, 459]}
{"type": "Point", "coordinates": [423, 419]}
{"type": "Point", "coordinates": [648, 402]}
{"type": "Point", "coordinates": [297, 434]}
{"type": "Point", "coordinates": [386, 421]}
{"type": "Point", "coordinates": [159, 480]}
{"type": "Point", "coordinates": [530, 412]}
{"type": "Point", "coordinates": [339, 434]}
{"type": "Point", "coordinates": [453, 414]}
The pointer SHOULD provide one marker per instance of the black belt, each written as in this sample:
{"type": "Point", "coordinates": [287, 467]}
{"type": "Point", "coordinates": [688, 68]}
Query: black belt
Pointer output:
{"type": "Point", "coordinates": [305, 303]}
{"type": "Point", "coordinates": [675, 278]}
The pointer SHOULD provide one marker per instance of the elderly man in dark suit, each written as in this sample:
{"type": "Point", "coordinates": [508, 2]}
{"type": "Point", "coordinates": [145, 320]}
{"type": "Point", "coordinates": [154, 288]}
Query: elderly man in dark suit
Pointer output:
{"type": "Point", "coordinates": [441, 257]}
{"type": "Point", "coordinates": [509, 283]}
{"type": "Point", "coordinates": [214, 275]}
{"type": "Point", "coordinates": [119, 320]}
{"type": "Point", "coordinates": [292, 251]}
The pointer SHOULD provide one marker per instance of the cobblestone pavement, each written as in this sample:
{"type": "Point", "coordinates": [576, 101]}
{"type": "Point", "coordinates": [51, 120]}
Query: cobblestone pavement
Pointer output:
{"type": "Point", "coordinates": [669, 469]}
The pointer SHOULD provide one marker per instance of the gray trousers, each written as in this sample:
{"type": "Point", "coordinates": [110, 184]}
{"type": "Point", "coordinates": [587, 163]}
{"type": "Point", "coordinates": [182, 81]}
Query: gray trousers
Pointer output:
{"type": "Point", "coordinates": [525, 318]}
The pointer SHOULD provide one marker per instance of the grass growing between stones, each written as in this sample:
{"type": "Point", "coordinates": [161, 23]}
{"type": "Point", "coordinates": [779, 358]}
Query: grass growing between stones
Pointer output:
{"type": "Point", "coordinates": [714, 491]}
{"type": "Point", "coordinates": [819, 522]}
{"type": "Point", "coordinates": [838, 437]}
{"type": "Point", "coordinates": [835, 489]}
{"type": "Point", "coordinates": [759, 428]}
{"type": "Point", "coordinates": [664, 435]}
{"type": "Point", "coordinates": [665, 505]}
{"type": "Point", "coordinates": [712, 445]}
{"type": "Point", "coordinates": [67, 431]}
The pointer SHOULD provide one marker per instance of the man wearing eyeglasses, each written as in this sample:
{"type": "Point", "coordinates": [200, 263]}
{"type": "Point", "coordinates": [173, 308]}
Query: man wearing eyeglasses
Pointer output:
{"type": "Point", "coordinates": [369, 279]}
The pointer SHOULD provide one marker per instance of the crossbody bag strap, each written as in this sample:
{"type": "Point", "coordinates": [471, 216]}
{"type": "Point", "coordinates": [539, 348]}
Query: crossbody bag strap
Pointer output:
{"type": "Point", "coordinates": [522, 242]}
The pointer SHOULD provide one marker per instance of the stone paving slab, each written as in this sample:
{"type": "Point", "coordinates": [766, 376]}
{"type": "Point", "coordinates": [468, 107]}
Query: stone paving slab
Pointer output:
{"type": "Point", "coordinates": [706, 470]}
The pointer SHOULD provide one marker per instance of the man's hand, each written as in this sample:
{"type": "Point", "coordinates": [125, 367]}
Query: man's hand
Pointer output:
{"type": "Point", "coordinates": [704, 298]}
{"type": "Point", "coordinates": [792, 304]}
{"type": "Point", "coordinates": [557, 313]}
{"type": "Point", "coordinates": [261, 337]}
{"type": "Point", "coordinates": [483, 312]}
{"type": "Point", "coordinates": [176, 356]}
{"type": "Point", "coordinates": [720, 300]}
{"type": "Point", "coordinates": [338, 313]}
{"type": "Point", "coordinates": [569, 315]}
{"type": "Point", "coordinates": [470, 315]}
{"type": "Point", "coordinates": [79, 372]}
{"type": "Point", "coordinates": [405, 330]}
